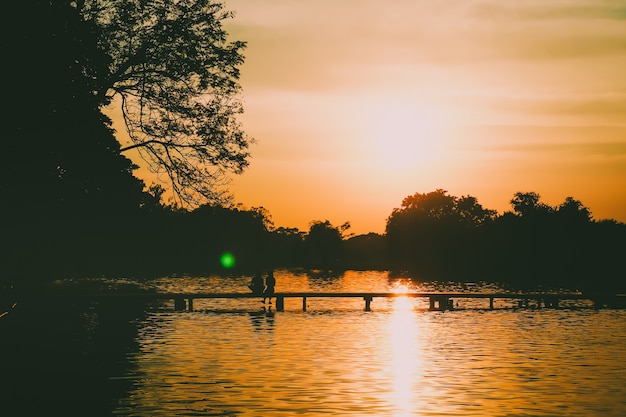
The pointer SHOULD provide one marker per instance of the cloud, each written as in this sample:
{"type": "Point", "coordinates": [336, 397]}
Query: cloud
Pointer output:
{"type": "Point", "coordinates": [585, 109]}
{"type": "Point", "coordinates": [589, 149]}
{"type": "Point", "coordinates": [542, 10]}
{"type": "Point", "coordinates": [365, 44]}
{"type": "Point", "coordinates": [609, 141]}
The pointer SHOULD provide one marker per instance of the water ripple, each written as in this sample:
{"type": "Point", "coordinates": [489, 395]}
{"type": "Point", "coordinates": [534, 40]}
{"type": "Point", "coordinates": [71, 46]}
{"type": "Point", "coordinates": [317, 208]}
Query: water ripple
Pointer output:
{"type": "Point", "coordinates": [397, 360]}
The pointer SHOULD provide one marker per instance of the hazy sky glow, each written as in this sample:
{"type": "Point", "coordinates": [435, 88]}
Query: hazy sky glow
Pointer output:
{"type": "Point", "coordinates": [356, 104]}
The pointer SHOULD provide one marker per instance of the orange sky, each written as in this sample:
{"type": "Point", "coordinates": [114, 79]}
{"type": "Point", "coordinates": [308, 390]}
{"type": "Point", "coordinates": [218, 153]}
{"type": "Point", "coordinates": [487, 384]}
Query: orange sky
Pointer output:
{"type": "Point", "coordinates": [356, 104]}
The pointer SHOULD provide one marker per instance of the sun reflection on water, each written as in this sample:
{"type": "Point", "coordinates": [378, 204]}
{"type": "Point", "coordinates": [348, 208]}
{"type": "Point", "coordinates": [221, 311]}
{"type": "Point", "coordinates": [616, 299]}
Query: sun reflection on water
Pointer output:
{"type": "Point", "coordinates": [405, 358]}
{"type": "Point", "coordinates": [400, 286]}
{"type": "Point", "coordinates": [399, 359]}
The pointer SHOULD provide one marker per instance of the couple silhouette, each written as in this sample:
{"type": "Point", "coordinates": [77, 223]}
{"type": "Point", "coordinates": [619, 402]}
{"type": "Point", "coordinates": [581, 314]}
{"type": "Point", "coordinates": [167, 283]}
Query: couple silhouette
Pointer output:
{"type": "Point", "coordinates": [261, 288]}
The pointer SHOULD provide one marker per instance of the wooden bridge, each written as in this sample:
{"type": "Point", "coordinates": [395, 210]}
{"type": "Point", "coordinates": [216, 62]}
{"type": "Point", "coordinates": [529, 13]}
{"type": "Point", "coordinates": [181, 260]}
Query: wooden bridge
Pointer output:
{"type": "Point", "coordinates": [438, 301]}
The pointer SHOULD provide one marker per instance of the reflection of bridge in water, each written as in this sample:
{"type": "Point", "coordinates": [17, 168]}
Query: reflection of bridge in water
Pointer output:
{"type": "Point", "coordinates": [438, 301]}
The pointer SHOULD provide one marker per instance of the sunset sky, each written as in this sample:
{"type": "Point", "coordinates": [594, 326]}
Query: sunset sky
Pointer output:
{"type": "Point", "coordinates": [356, 104]}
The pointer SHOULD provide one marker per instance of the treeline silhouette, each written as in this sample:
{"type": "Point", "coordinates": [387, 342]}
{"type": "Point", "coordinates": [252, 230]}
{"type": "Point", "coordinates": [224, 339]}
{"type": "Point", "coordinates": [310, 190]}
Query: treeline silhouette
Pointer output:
{"type": "Point", "coordinates": [432, 236]}
{"type": "Point", "coordinates": [439, 236]}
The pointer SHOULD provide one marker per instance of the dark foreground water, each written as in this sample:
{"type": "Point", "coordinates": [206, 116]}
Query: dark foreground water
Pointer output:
{"type": "Point", "coordinates": [241, 358]}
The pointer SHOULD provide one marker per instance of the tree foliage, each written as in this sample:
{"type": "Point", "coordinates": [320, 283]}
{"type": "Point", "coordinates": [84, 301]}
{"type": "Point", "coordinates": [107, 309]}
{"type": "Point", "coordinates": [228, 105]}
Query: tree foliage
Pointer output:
{"type": "Point", "coordinates": [438, 236]}
{"type": "Point", "coordinates": [574, 211]}
{"type": "Point", "coordinates": [529, 205]}
{"type": "Point", "coordinates": [324, 244]}
{"type": "Point", "coordinates": [59, 146]}
{"type": "Point", "coordinates": [176, 77]}
{"type": "Point", "coordinates": [431, 231]}
{"type": "Point", "coordinates": [438, 205]}
{"type": "Point", "coordinates": [68, 191]}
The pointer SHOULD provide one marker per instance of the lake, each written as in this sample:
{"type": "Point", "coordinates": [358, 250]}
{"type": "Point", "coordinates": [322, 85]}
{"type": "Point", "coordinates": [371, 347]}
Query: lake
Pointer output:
{"type": "Point", "coordinates": [242, 358]}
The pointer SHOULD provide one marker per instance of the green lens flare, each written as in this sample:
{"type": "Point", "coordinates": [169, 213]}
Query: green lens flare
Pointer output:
{"type": "Point", "coordinates": [227, 260]}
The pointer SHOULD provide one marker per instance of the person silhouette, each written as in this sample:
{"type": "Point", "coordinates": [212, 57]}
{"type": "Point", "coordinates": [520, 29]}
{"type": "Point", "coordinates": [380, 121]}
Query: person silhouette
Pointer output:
{"type": "Point", "coordinates": [256, 285]}
{"type": "Point", "coordinates": [270, 283]}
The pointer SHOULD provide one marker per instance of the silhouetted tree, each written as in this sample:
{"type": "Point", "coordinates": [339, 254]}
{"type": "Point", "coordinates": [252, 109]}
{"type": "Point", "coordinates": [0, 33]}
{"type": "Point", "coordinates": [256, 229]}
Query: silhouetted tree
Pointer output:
{"type": "Point", "coordinates": [528, 204]}
{"type": "Point", "coordinates": [436, 204]}
{"type": "Point", "coordinates": [574, 211]}
{"type": "Point", "coordinates": [367, 251]}
{"type": "Point", "coordinates": [72, 201]}
{"type": "Point", "coordinates": [287, 247]}
{"type": "Point", "coordinates": [604, 261]}
{"type": "Point", "coordinates": [59, 146]}
{"type": "Point", "coordinates": [436, 233]}
{"type": "Point", "coordinates": [67, 189]}
{"type": "Point", "coordinates": [196, 240]}
{"type": "Point", "coordinates": [176, 78]}
{"type": "Point", "coordinates": [324, 244]}
{"type": "Point", "coordinates": [562, 247]}
{"type": "Point", "coordinates": [472, 213]}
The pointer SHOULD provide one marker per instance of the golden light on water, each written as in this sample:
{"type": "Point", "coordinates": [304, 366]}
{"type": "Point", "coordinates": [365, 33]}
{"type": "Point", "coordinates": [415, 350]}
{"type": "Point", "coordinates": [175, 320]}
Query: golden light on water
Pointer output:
{"type": "Point", "coordinates": [397, 360]}
{"type": "Point", "coordinates": [405, 361]}
{"type": "Point", "coordinates": [400, 288]}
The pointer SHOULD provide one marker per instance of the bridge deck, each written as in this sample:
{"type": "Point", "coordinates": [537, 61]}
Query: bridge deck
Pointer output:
{"type": "Point", "coordinates": [438, 300]}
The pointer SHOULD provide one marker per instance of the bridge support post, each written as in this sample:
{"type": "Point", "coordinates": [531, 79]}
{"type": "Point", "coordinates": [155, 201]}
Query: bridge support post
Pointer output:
{"type": "Point", "coordinates": [598, 303]}
{"type": "Point", "coordinates": [190, 304]}
{"type": "Point", "coordinates": [179, 304]}
{"type": "Point", "coordinates": [552, 302]}
{"type": "Point", "coordinates": [368, 301]}
{"type": "Point", "coordinates": [440, 303]}
{"type": "Point", "coordinates": [303, 303]}
{"type": "Point", "coordinates": [490, 303]}
{"type": "Point", "coordinates": [280, 303]}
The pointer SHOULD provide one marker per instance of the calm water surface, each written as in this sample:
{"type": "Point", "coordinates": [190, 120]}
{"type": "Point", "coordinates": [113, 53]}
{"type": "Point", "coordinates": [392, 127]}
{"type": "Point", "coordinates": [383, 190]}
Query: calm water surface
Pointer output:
{"type": "Point", "coordinates": [240, 358]}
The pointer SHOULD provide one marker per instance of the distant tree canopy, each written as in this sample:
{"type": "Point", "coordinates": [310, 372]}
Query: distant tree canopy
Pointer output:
{"type": "Point", "coordinates": [431, 232]}
{"type": "Point", "coordinates": [438, 236]}
{"type": "Point", "coordinates": [367, 251]}
{"type": "Point", "coordinates": [528, 205]}
{"type": "Point", "coordinates": [193, 242]}
{"type": "Point", "coordinates": [324, 244]}
{"type": "Point", "coordinates": [438, 205]}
